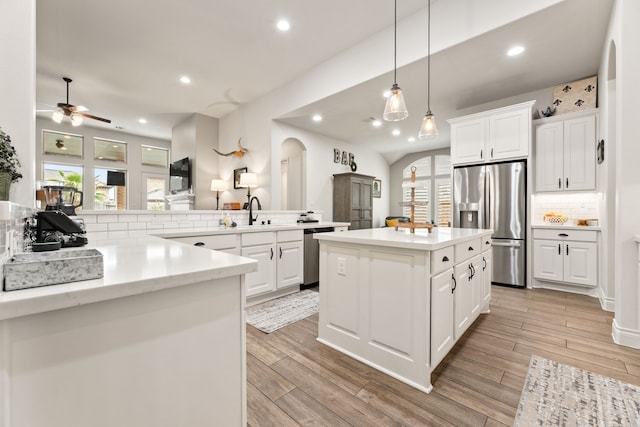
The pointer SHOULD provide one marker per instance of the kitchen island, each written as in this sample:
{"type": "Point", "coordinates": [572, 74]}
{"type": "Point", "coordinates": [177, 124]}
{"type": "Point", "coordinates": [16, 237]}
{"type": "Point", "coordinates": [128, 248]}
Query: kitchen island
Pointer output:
{"type": "Point", "coordinates": [398, 301]}
{"type": "Point", "coordinates": [158, 341]}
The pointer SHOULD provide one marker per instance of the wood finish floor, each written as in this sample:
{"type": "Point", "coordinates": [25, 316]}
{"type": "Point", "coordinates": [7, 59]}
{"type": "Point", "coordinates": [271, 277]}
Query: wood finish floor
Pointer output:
{"type": "Point", "coordinates": [295, 381]}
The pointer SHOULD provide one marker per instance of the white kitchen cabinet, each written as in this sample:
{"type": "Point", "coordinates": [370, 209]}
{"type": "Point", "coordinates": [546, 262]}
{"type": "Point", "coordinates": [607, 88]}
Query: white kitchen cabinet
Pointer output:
{"type": "Point", "coordinates": [229, 243]}
{"type": "Point", "coordinates": [442, 325]}
{"type": "Point", "coordinates": [495, 135]}
{"type": "Point", "coordinates": [565, 153]}
{"type": "Point", "coordinates": [487, 268]}
{"type": "Point", "coordinates": [280, 260]}
{"type": "Point", "coordinates": [569, 256]}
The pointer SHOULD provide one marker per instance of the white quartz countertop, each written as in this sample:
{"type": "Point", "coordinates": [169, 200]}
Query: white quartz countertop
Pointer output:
{"type": "Point", "coordinates": [131, 266]}
{"type": "Point", "coordinates": [422, 240]}
{"type": "Point", "coordinates": [212, 231]}
{"type": "Point", "coordinates": [566, 227]}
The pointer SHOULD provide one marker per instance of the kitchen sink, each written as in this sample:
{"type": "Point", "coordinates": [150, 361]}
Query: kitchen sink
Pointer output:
{"type": "Point", "coordinates": [34, 269]}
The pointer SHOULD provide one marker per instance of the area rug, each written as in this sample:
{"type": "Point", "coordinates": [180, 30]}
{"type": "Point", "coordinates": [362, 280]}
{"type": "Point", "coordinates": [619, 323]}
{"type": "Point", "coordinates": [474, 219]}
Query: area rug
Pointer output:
{"type": "Point", "coordinates": [273, 315]}
{"type": "Point", "coordinates": [561, 395]}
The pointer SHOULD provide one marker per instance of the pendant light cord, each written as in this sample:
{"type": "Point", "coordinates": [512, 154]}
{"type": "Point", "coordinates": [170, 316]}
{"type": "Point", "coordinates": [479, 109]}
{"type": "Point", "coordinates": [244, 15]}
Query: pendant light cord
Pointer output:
{"type": "Point", "coordinates": [429, 55]}
{"type": "Point", "coordinates": [395, 36]}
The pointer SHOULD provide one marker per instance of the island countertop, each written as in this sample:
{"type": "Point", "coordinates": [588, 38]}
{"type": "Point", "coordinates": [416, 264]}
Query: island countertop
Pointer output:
{"type": "Point", "coordinates": [402, 238]}
{"type": "Point", "coordinates": [131, 266]}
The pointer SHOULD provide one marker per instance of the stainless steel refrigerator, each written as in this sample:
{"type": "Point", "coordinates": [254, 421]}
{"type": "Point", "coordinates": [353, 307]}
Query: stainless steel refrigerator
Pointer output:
{"type": "Point", "coordinates": [495, 196]}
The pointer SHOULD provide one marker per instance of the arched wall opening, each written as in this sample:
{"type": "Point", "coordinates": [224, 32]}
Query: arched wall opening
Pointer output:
{"type": "Point", "coordinates": [293, 182]}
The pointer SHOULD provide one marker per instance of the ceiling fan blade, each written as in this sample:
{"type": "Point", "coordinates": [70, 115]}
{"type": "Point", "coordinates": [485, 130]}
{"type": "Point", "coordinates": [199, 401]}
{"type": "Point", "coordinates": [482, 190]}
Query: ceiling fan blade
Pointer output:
{"type": "Point", "coordinates": [90, 116]}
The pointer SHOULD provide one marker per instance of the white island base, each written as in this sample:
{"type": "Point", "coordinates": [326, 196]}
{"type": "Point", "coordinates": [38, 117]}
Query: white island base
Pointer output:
{"type": "Point", "coordinates": [398, 301]}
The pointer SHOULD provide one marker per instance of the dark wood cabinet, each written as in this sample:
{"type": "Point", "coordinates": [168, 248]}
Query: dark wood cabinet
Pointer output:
{"type": "Point", "coordinates": [353, 200]}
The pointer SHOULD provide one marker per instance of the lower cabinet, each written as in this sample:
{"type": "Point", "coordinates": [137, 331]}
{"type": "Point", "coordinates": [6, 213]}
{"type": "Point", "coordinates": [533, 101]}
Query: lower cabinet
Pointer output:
{"type": "Point", "coordinates": [458, 294]}
{"type": "Point", "coordinates": [566, 255]}
{"type": "Point", "coordinates": [280, 258]}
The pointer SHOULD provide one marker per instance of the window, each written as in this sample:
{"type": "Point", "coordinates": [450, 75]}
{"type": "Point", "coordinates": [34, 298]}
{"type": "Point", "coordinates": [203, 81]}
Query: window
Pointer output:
{"type": "Point", "coordinates": [154, 156]}
{"type": "Point", "coordinates": [110, 189]}
{"type": "Point", "coordinates": [106, 149]}
{"type": "Point", "coordinates": [68, 175]}
{"type": "Point", "coordinates": [155, 192]}
{"type": "Point", "coordinates": [433, 186]}
{"type": "Point", "coordinates": [62, 144]}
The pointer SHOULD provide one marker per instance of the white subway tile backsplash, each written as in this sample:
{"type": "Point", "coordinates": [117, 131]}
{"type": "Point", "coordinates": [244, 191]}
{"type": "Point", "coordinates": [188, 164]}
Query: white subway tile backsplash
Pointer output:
{"type": "Point", "coordinates": [127, 218]}
{"type": "Point", "coordinates": [572, 205]}
{"type": "Point", "coordinates": [116, 226]}
{"type": "Point", "coordinates": [92, 227]}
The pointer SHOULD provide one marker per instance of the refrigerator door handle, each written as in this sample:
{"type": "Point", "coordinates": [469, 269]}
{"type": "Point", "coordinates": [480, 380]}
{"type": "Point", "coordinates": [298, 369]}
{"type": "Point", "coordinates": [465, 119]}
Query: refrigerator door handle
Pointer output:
{"type": "Point", "coordinates": [510, 244]}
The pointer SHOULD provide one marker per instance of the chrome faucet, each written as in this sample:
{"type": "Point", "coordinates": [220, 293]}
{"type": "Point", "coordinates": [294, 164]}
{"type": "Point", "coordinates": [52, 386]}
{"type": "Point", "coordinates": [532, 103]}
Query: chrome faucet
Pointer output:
{"type": "Point", "coordinates": [251, 218]}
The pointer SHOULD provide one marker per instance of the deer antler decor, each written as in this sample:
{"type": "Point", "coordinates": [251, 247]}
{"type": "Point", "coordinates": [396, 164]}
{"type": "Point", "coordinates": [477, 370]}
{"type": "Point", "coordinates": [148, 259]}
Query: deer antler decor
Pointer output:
{"type": "Point", "coordinates": [240, 152]}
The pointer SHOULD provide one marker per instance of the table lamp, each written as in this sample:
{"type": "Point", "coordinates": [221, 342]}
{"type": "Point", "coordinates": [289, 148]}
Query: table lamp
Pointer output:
{"type": "Point", "coordinates": [248, 179]}
{"type": "Point", "coordinates": [217, 185]}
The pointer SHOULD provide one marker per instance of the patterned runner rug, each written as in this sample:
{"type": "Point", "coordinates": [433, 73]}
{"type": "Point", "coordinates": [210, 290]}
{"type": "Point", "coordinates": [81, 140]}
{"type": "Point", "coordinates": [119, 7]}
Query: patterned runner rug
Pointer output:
{"type": "Point", "coordinates": [272, 315]}
{"type": "Point", "coordinates": [561, 395]}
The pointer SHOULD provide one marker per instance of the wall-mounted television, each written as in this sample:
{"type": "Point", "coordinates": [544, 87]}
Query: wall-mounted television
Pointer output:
{"type": "Point", "coordinates": [180, 175]}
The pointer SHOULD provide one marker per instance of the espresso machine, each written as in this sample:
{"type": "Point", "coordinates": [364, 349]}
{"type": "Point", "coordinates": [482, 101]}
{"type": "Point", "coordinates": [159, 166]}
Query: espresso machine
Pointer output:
{"type": "Point", "coordinates": [58, 226]}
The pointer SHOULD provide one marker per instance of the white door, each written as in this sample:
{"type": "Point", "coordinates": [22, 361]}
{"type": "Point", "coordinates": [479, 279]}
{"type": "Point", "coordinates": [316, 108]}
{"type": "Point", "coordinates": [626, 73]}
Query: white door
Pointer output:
{"type": "Point", "coordinates": [468, 141]}
{"type": "Point", "coordinates": [509, 135]}
{"type": "Point", "coordinates": [290, 264]}
{"type": "Point", "coordinates": [581, 264]}
{"type": "Point", "coordinates": [462, 299]}
{"type": "Point", "coordinates": [264, 279]}
{"type": "Point", "coordinates": [549, 157]}
{"type": "Point", "coordinates": [441, 315]}
{"type": "Point", "coordinates": [580, 153]}
{"type": "Point", "coordinates": [548, 260]}
{"type": "Point", "coordinates": [153, 188]}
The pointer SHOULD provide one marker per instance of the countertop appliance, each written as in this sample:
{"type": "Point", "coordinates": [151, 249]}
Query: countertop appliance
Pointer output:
{"type": "Point", "coordinates": [495, 196]}
{"type": "Point", "coordinates": [312, 255]}
{"type": "Point", "coordinates": [62, 198]}
{"type": "Point", "coordinates": [54, 229]}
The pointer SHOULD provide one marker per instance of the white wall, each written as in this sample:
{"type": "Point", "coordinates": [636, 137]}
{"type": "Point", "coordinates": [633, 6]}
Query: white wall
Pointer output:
{"type": "Point", "coordinates": [18, 89]}
{"type": "Point", "coordinates": [625, 32]}
{"type": "Point", "coordinates": [320, 169]}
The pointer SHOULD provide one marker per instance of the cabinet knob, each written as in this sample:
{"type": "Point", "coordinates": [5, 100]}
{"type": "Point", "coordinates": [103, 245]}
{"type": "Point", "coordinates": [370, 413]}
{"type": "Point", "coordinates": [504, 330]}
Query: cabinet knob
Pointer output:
{"type": "Point", "coordinates": [198, 244]}
{"type": "Point", "coordinates": [445, 259]}
{"type": "Point", "coordinates": [470, 248]}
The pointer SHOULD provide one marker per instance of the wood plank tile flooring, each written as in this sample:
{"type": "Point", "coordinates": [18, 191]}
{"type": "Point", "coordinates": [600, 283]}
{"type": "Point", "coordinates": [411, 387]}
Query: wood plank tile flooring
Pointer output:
{"type": "Point", "coordinates": [295, 381]}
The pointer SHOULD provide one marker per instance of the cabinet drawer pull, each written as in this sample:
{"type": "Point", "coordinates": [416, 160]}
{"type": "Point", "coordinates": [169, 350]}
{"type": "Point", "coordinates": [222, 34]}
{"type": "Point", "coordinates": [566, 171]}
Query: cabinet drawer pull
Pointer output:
{"type": "Point", "coordinates": [280, 252]}
{"type": "Point", "coordinates": [567, 249]}
{"type": "Point", "coordinates": [445, 259]}
{"type": "Point", "coordinates": [559, 250]}
{"type": "Point", "coordinates": [563, 235]}
{"type": "Point", "coordinates": [198, 244]}
{"type": "Point", "coordinates": [559, 182]}
{"type": "Point", "coordinates": [567, 182]}
{"type": "Point", "coordinates": [484, 260]}
{"type": "Point", "coordinates": [492, 152]}
{"type": "Point", "coordinates": [271, 253]}
{"type": "Point", "coordinates": [455, 283]}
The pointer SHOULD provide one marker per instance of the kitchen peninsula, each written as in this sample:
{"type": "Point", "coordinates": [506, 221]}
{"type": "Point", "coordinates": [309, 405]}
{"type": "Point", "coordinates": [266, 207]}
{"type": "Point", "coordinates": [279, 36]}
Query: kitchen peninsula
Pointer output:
{"type": "Point", "coordinates": [159, 341]}
{"type": "Point", "coordinates": [398, 301]}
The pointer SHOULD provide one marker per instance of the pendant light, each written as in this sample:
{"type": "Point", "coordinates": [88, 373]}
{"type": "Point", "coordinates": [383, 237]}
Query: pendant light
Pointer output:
{"type": "Point", "coordinates": [428, 130]}
{"type": "Point", "coordinates": [395, 109]}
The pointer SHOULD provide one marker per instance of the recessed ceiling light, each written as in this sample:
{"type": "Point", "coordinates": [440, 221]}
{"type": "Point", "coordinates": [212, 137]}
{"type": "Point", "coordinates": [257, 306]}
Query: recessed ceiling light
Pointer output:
{"type": "Point", "coordinates": [516, 50]}
{"type": "Point", "coordinates": [283, 25]}
{"type": "Point", "coordinates": [411, 139]}
{"type": "Point", "coordinates": [143, 121]}
{"type": "Point", "coordinates": [185, 79]}
{"type": "Point", "coordinates": [114, 146]}
{"type": "Point", "coordinates": [66, 136]}
{"type": "Point", "coordinates": [396, 132]}
{"type": "Point", "coordinates": [376, 123]}
{"type": "Point", "coordinates": [317, 118]}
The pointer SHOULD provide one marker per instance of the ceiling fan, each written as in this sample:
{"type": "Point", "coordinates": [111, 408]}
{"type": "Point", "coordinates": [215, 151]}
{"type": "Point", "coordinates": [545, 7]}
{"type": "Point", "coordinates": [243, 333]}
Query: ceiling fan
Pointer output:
{"type": "Point", "coordinates": [75, 113]}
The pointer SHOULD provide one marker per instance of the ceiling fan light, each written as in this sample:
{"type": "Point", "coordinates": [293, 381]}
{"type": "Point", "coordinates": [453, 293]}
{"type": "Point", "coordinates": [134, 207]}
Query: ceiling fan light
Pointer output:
{"type": "Point", "coordinates": [76, 119]}
{"type": "Point", "coordinates": [395, 108]}
{"type": "Point", "coordinates": [57, 115]}
{"type": "Point", "coordinates": [428, 130]}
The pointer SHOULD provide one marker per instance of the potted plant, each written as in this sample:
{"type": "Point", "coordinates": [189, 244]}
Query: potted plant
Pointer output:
{"type": "Point", "coordinates": [9, 165]}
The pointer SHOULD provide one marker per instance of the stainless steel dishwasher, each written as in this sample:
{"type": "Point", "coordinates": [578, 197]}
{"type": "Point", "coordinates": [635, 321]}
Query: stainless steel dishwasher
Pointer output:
{"type": "Point", "coordinates": [312, 255]}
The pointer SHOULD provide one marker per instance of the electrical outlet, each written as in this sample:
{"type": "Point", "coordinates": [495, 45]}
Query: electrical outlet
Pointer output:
{"type": "Point", "coordinates": [342, 266]}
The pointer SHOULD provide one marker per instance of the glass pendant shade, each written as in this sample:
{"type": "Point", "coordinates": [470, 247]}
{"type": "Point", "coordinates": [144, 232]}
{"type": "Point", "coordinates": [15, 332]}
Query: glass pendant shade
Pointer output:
{"type": "Point", "coordinates": [428, 129]}
{"type": "Point", "coordinates": [395, 109]}
{"type": "Point", "coordinates": [57, 115]}
{"type": "Point", "coordinates": [76, 119]}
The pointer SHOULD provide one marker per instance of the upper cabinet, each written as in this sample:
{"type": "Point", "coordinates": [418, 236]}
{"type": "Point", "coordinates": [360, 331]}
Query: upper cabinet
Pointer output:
{"type": "Point", "coordinates": [565, 152]}
{"type": "Point", "coordinates": [495, 135]}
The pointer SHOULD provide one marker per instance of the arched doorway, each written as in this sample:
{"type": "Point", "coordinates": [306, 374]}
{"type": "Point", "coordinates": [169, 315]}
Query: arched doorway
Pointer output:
{"type": "Point", "coordinates": [292, 175]}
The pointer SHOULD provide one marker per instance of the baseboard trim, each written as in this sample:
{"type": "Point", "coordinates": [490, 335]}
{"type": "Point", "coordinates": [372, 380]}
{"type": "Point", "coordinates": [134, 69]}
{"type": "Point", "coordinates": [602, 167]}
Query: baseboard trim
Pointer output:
{"type": "Point", "coordinates": [624, 336]}
{"type": "Point", "coordinates": [606, 303]}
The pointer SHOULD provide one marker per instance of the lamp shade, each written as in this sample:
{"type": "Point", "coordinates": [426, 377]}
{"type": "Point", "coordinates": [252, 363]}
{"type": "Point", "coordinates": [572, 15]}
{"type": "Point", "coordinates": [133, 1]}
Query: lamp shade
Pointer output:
{"type": "Point", "coordinates": [428, 130]}
{"type": "Point", "coordinates": [248, 179]}
{"type": "Point", "coordinates": [217, 185]}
